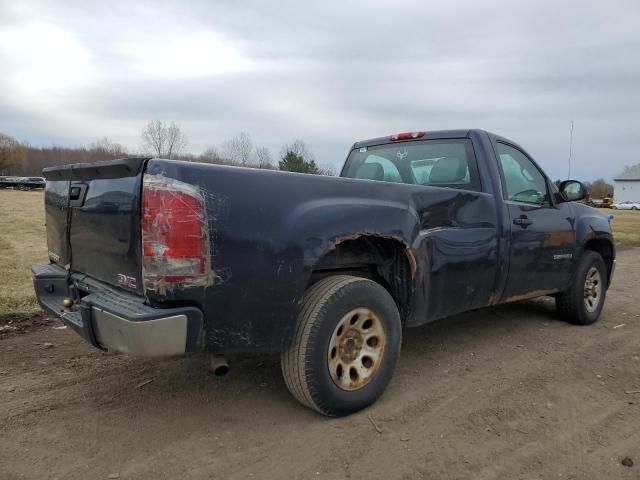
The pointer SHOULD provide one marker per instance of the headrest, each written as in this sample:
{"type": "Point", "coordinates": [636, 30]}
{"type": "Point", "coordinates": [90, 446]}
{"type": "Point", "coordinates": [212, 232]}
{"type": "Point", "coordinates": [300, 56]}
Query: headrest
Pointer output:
{"type": "Point", "coordinates": [371, 171]}
{"type": "Point", "coordinates": [448, 170]}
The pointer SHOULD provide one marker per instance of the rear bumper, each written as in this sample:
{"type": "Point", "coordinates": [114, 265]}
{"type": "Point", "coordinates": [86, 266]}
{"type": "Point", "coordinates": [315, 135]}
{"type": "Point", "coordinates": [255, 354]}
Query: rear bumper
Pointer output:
{"type": "Point", "coordinates": [117, 321]}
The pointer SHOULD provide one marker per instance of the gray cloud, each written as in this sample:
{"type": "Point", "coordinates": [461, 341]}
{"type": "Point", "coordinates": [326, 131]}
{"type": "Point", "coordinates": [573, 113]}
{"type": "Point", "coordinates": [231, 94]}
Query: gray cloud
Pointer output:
{"type": "Point", "coordinates": [330, 74]}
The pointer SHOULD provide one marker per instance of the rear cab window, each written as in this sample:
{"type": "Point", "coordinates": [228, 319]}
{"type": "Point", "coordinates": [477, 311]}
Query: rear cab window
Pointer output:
{"type": "Point", "coordinates": [449, 163]}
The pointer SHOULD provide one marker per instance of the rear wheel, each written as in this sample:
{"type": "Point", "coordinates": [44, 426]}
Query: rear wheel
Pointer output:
{"type": "Point", "coordinates": [345, 347]}
{"type": "Point", "coordinates": [583, 301]}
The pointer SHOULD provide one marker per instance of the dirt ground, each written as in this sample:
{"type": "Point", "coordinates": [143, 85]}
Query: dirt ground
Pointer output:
{"type": "Point", "coordinates": [509, 392]}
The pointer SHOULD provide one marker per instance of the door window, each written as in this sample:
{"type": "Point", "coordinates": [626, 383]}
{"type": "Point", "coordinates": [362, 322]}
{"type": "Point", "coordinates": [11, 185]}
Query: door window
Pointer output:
{"type": "Point", "coordinates": [523, 181]}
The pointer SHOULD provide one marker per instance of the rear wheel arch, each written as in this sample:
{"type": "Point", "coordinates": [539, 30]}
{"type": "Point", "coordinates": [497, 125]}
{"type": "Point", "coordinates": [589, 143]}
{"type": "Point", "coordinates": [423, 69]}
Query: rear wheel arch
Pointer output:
{"type": "Point", "coordinates": [385, 260]}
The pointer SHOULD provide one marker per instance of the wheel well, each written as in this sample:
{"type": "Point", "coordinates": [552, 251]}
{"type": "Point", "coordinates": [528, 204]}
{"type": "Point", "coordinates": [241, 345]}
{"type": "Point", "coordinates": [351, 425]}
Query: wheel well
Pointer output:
{"type": "Point", "coordinates": [384, 260]}
{"type": "Point", "coordinates": [604, 248]}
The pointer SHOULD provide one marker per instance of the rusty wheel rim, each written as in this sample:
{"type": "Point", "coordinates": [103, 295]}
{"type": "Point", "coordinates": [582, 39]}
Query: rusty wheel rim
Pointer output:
{"type": "Point", "coordinates": [592, 290]}
{"type": "Point", "coordinates": [356, 349]}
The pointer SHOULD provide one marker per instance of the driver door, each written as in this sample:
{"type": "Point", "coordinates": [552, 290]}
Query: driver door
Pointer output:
{"type": "Point", "coordinates": [542, 232]}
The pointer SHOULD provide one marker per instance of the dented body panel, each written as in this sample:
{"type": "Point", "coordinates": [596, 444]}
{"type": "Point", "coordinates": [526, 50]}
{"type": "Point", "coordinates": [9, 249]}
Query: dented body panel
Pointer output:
{"type": "Point", "coordinates": [439, 251]}
{"type": "Point", "coordinates": [269, 230]}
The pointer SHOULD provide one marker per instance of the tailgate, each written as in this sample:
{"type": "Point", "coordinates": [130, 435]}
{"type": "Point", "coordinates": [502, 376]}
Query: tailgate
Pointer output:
{"type": "Point", "coordinates": [93, 220]}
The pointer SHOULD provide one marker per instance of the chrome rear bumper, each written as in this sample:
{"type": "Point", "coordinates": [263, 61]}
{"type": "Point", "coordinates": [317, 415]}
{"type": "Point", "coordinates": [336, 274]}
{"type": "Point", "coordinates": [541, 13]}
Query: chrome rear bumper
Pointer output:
{"type": "Point", "coordinates": [117, 321]}
{"type": "Point", "coordinates": [149, 338]}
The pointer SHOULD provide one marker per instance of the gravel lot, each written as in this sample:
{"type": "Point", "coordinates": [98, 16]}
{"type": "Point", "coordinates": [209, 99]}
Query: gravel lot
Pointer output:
{"type": "Point", "coordinates": [508, 392]}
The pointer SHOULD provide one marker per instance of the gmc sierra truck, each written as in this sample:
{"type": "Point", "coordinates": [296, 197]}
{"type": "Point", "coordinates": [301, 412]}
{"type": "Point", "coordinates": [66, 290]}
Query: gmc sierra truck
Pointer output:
{"type": "Point", "coordinates": [155, 257]}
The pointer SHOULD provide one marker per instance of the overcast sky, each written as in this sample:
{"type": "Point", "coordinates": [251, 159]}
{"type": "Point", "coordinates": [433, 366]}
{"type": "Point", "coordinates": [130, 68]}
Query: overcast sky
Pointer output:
{"type": "Point", "coordinates": [329, 73]}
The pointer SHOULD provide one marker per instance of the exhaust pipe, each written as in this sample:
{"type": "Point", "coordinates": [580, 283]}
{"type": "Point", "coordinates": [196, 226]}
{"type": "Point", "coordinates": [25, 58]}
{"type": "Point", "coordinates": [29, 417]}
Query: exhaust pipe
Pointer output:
{"type": "Point", "coordinates": [219, 364]}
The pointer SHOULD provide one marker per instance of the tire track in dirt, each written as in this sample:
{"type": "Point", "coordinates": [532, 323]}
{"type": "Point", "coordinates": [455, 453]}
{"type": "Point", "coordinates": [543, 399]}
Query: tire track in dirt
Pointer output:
{"type": "Point", "coordinates": [508, 392]}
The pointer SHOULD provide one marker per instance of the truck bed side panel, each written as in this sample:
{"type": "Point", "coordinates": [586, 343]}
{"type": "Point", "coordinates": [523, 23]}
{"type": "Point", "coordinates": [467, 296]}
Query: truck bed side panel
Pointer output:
{"type": "Point", "coordinates": [268, 230]}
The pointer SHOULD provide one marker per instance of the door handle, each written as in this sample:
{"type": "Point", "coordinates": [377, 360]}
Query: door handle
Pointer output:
{"type": "Point", "coordinates": [523, 221]}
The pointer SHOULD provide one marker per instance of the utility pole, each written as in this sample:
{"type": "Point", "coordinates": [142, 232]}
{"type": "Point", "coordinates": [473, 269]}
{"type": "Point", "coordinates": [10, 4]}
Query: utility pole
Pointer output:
{"type": "Point", "coordinates": [570, 151]}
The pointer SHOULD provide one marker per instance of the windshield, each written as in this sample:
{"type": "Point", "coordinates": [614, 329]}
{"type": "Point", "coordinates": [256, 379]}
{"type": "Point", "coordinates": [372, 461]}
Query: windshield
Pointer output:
{"type": "Point", "coordinates": [439, 163]}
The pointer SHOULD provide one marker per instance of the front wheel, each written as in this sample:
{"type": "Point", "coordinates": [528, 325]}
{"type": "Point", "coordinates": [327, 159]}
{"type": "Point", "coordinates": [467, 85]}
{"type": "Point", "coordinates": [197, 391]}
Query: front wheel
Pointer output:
{"type": "Point", "coordinates": [583, 301]}
{"type": "Point", "coordinates": [345, 347]}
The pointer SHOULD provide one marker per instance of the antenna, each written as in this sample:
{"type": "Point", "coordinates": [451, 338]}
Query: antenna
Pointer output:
{"type": "Point", "coordinates": [570, 151]}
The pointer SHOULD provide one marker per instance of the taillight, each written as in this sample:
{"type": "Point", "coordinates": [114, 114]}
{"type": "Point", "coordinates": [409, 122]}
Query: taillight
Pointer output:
{"type": "Point", "coordinates": [175, 243]}
{"type": "Point", "coordinates": [406, 136]}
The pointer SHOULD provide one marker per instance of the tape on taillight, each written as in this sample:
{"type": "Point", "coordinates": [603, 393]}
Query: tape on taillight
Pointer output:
{"type": "Point", "coordinates": [175, 235]}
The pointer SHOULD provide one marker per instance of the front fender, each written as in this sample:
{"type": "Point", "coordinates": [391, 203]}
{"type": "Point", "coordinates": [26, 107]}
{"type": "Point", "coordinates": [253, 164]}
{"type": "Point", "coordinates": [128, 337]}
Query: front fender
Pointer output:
{"type": "Point", "coordinates": [593, 231]}
{"type": "Point", "coordinates": [591, 225]}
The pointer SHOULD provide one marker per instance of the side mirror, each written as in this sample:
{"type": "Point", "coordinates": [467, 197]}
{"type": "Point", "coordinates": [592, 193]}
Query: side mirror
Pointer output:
{"type": "Point", "coordinates": [572, 190]}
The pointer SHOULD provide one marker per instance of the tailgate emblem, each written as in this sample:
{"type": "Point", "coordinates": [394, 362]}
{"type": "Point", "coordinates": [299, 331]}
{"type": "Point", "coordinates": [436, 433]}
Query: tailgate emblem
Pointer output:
{"type": "Point", "coordinates": [126, 281]}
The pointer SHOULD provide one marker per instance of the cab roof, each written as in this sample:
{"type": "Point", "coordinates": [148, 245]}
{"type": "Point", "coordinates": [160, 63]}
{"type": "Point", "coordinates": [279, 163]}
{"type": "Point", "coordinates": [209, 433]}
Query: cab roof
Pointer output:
{"type": "Point", "coordinates": [434, 134]}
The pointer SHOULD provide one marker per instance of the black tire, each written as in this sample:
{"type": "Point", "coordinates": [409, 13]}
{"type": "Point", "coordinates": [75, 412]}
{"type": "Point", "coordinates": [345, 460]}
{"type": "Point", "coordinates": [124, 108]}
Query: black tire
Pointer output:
{"type": "Point", "coordinates": [571, 304]}
{"type": "Point", "coordinates": [634, 208]}
{"type": "Point", "coordinates": [305, 364]}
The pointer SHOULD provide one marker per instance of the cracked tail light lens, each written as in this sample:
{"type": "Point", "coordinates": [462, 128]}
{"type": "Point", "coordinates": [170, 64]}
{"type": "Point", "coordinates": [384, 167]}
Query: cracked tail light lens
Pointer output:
{"type": "Point", "coordinates": [175, 242]}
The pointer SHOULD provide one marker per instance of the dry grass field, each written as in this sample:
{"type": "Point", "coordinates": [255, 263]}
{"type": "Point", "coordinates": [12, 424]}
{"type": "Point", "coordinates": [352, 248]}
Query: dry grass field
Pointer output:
{"type": "Point", "coordinates": [23, 243]}
{"type": "Point", "coordinates": [626, 227]}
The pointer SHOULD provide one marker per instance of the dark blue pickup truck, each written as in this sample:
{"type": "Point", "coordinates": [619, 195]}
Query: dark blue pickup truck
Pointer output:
{"type": "Point", "coordinates": [157, 257]}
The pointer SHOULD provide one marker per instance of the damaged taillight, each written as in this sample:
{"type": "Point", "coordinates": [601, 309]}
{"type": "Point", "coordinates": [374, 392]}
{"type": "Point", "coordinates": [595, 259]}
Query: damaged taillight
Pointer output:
{"type": "Point", "coordinates": [175, 243]}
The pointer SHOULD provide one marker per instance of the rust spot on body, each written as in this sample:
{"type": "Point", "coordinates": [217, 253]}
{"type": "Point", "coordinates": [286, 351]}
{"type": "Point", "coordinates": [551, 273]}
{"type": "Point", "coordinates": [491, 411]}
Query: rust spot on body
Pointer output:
{"type": "Point", "coordinates": [530, 295]}
{"type": "Point", "coordinates": [413, 264]}
{"type": "Point", "coordinates": [358, 235]}
{"type": "Point", "coordinates": [558, 239]}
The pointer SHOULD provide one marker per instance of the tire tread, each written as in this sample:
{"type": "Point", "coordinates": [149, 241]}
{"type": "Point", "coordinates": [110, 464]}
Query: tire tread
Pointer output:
{"type": "Point", "coordinates": [569, 304]}
{"type": "Point", "coordinates": [294, 359]}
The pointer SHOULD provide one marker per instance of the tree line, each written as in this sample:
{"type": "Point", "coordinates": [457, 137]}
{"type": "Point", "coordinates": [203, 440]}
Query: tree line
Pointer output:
{"type": "Point", "coordinates": [599, 188]}
{"type": "Point", "coordinates": [162, 140]}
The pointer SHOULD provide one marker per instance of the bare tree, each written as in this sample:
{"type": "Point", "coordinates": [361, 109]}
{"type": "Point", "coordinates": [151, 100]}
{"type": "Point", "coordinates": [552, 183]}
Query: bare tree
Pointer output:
{"type": "Point", "coordinates": [327, 170]}
{"type": "Point", "coordinates": [600, 189]}
{"type": "Point", "coordinates": [299, 148]}
{"type": "Point", "coordinates": [212, 155]}
{"type": "Point", "coordinates": [154, 137]}
{"type": "Point", "coordinates": [11, 153]}
{"type": "Point", "coordinates": [105, 144]}
{"type": "Point", "coordinates": [177, 141]}
{"type": "Point", "coordinates": [263, 155]}
{"type": "Point", "coordinates": [164, 140]}
{"type": "Point", "coordinates": [297, 158]}
{"type": "Point", "coordinates": [238, 149]}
